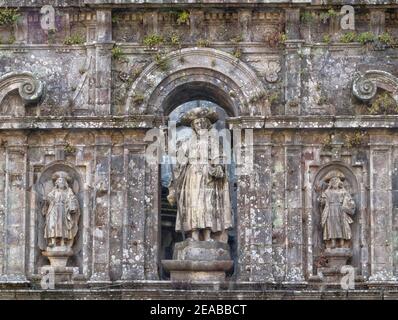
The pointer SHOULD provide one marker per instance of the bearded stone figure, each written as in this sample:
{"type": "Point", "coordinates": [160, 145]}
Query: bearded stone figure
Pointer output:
{"type": "Point", "coordinates": [337, 208]}
{"type": "Point", "coordinates": [200, 187]}
{"type": "Point", "coordinates": [61, 213]}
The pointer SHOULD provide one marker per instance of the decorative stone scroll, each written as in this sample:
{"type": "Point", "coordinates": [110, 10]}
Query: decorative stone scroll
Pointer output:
{"type": "Point", "coordinates": [365, 85]}
{"type": "Point", "coordinates": [29, 87]}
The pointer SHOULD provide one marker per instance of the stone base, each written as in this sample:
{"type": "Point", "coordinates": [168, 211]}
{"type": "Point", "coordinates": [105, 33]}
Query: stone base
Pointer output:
{"type": "Point", "coordinates": [188, 270]}
{"type": "Point", "coordinates": [60, 274]}
{"type": "Point", "coordinates": [337, 257]}
{"type": "Point", "coordinates": [58, 256]}
{"type": "Point", "coordinates": [199, 261]}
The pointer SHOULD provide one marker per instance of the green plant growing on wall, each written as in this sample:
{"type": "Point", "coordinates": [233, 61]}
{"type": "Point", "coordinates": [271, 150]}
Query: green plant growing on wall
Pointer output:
{"type": "Point", "coordinates": [384, 103]}
{"type": "Point", "coordinates": [327, 143]}
{"type": "Point", "coordinates": [326, 39]}
{"type": "Point", "coordinates": [326, 15]}
{"type": "Point", "coordinates": [117, 53]}
{"type": "Point", "coordinates": [11, 39]}
{"type": "Point", "coordinates": [203, 43]}
{"type": "Point", "coordinates": [355, 139]}
{"type": "Point", "coordinates": [9, 16]}
{"type": "Point", "coordinates": [258, 97]}
{"type": "Point", "coordinates": [366, 37]}
{"type": "Point", "coordinates": [175, 40]}
{"type": "Point", "coordinates": [74, 39]}
{"type": "Point", "coordinates": [307, 17]}
{"type": "Point", "coordinates": [237, 53]}
{"type": "Point", "coordinates": [183, 18]}
{"type": "Point", "coordinates": [387, 39]}
{"type": "Point", "coordinates": [161, 62]}
{"type": "Point", "coordinates": [115, 19]}
{"type": "Point", "coordinates": [138, 98]}
{"type": "Point", "coordinates": [69, 149]}
{"type": "Point", "coordinates": [272, 98]}
{"type": "Point", "coordinates": [153, 40]}
{"type": "Point", "coordinates": [348, 37]}
{"type": "Point", "coordinates": [237, 39]}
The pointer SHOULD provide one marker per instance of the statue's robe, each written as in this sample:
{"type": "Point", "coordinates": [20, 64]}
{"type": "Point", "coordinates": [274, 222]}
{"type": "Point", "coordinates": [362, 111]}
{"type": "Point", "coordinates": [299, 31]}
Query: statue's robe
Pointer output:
{"type": "Point", "coordinates": [203, 201]}
{"type": "Point", "coordinates": [62, 215]}
{"type": "Point", "coordinates": [336, 220]}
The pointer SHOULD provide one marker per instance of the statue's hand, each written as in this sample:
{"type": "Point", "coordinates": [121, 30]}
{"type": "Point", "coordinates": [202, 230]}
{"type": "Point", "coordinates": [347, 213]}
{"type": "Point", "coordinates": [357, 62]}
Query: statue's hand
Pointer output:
{"type": "Point", "coordinates": [217, 172]}
{"type": "Point", "coordinates": [171, 198]}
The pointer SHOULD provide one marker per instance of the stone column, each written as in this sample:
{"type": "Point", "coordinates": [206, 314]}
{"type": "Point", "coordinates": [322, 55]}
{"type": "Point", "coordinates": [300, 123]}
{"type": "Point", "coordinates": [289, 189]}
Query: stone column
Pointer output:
{"type": "Point", "coordinates": [101, 214]}
{"type": "Point", "coordinates": [381, 242]}
{"type": "Point", "coordinates": [103, 62]}
{"type": "Point", "coordinates": [152, 221]}
{"type": "Point", "coordinates": [118, 183]}
{"type": "Point", "coordinates": [292, 62]}
{"type": "Point", "coordinates": [15, 212]}
{"type": "Point", "coordinates": [260, 209]}
{"type": "Point", "coordinates": [294, 208]}
{"type": "Point", "coordinates": [134, 214]}
{"type": "Point", "coordinates": [2, 206]}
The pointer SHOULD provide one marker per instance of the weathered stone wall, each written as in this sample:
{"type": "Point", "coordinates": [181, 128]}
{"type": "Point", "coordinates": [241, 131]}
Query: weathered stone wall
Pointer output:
{"type": "Point", "coordinates": [112, 70]}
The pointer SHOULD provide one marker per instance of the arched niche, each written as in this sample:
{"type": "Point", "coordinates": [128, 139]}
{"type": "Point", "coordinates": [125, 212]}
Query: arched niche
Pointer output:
{"type": "Point", "coordinates": [352, 186]}
{"type": "Point", "coordinates": [198, 74]}
{"type": "Point", "coordinates": [44, 185]}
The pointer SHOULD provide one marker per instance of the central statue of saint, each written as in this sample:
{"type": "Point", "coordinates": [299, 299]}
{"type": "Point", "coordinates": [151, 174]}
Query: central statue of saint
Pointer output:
{"type": "Point", "coordinates": [200, 183]}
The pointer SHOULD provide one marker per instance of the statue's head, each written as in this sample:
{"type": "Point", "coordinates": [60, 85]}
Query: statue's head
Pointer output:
{"type": "Point", "coordinates": [335, 183]}
{"type": "Point", "coordinates": [199, 118]}
{"type": "Point", "coordinates": [334, 179]}
{"type": "Point", "coordinates": [61, 179]}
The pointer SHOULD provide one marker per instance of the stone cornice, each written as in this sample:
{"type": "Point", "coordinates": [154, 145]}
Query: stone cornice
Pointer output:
{"type": "Point", "coordinates": [147, 121]}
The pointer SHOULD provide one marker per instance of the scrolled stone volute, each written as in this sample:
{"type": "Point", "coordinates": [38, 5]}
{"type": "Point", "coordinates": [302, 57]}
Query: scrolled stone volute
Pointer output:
{"type": "Point", "coordinates": [29, 87]}
{"type": "Point", "coordinates": [365, 85]}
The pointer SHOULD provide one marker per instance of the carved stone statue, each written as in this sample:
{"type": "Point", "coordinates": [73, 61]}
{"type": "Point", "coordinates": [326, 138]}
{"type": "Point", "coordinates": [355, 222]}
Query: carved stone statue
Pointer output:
{"type": "Point", "coordinates": [61, 212]}
{"type": "Point", "coordinates": [200, 188]}
{"type": "Point", "coordinates": [203, 204]}
{"type": "Point", "coordinates": [337, 207]}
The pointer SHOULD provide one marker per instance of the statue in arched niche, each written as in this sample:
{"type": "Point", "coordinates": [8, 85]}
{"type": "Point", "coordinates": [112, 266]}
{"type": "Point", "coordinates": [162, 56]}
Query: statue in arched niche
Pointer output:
{"type": "Point", "coordinates": [337, 207]}
{"type": "Point", "coordinates": [201, 188]}
{"type": "Point", "coordinates": [61, 211]}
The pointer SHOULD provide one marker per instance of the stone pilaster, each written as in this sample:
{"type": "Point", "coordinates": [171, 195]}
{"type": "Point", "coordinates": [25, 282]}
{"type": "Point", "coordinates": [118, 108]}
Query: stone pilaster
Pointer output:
{"type": "Point", "coordinates": [381, 243]}
{"type": "Point", "coordinates": [134, 214]}
{"type": "Point", "coordinates": [260, 210]}
{"type": "Point", "coordinates": [117, 207]}
{"type": "Point", "coordinates": [245, 17]}
{"type": "Point", "coordinates": [293, 193]}
{"type": "Point", "coordinates": [15, 211]}
{"type": "Point", "coordinates": [377, 21]}
{"type": "Point", "coordinates": [103, 62]}
{"type": "Point", "coordinates": [101, 214]}
{"type": "Point", "coordinates": [292, 62]}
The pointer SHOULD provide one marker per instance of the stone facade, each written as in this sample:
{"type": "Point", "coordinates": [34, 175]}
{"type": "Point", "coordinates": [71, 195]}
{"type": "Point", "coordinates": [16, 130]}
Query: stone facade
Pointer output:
{"type": "Point", "coordinates": [83, 82]}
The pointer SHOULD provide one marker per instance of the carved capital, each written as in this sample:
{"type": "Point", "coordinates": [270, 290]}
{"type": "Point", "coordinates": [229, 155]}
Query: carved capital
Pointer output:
{"type": "Point", "coordinates": [365, 85]}
{"type": "Point", "coordinates": [29, 87]}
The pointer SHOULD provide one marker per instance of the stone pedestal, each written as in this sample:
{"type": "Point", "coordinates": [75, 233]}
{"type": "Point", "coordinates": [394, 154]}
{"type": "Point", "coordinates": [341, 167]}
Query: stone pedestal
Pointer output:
{"type": "Point", "coordinates": [199, 261]}
{"type": "Point", "coordinates": [58, 257]}
{"type": "Point", "coordinates": [336, 259]}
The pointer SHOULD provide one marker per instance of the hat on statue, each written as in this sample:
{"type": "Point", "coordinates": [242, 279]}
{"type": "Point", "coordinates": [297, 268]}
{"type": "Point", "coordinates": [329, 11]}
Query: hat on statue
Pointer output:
{"type": "Point", "coordinates": [334, 174]}
{"type": "Point", "coordinates": [61, 174]}
{"type": "Point", "coordinates": [197, 113]}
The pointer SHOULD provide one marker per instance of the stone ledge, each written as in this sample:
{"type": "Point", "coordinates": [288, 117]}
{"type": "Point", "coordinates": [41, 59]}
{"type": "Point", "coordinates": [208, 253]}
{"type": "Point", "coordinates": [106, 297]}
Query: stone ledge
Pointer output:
{"type": "Point", "coordinates": [149, 121]}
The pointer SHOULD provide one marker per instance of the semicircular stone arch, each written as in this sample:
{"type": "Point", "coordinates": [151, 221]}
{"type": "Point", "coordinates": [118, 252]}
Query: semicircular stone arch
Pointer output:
{"type": "Point", "coordinates": [198, 73]}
